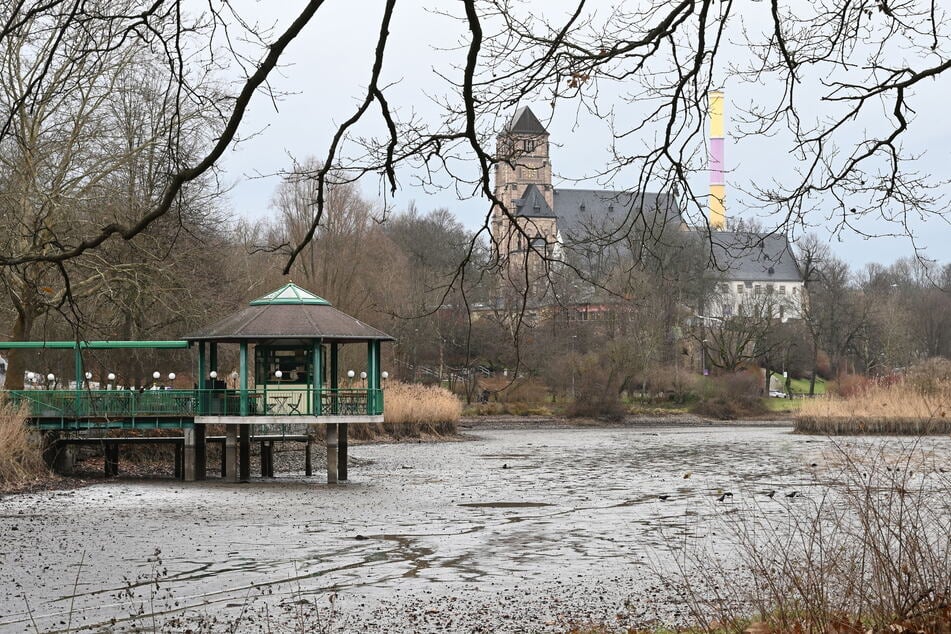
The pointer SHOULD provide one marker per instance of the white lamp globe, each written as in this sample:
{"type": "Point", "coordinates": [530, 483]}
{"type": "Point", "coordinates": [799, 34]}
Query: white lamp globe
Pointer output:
{"type": "Point", "coordinates": [171, 376]}
{"type": "Point", "coordinates": [351, 374]}
{"type": "Point", "coordinates": [234, 375]}
{"type": "Point", "coordinates": [112, 376]}
{"type": "Point", "coordinates": [30, 376]}
{"type": "Point", "coordinates": [278, 374]}
{"type": "Point", "coordinates": [363, 375]}
{"type": "Point", "coordinates": [50, 377]}
{"type": "Point", "coordinates": [385, 375]}
{"type": "Point", "coordinates": [213, 374]}
{"type": "Point", "coordinates": [156, 375]}
{"type": "Point", "coordinates": [88, 375]}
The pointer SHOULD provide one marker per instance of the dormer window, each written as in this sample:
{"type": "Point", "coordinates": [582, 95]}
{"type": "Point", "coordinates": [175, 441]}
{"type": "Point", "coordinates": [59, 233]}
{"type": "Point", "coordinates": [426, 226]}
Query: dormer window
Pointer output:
{"type": "Point", "coordinates": [539, 243]}
{"type": "Point", "coordinates": [582, 206]}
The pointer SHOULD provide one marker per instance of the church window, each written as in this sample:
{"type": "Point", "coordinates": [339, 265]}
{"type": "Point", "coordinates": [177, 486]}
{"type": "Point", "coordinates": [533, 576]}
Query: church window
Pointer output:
{"type": "Point", "coordinates": [528, 145]}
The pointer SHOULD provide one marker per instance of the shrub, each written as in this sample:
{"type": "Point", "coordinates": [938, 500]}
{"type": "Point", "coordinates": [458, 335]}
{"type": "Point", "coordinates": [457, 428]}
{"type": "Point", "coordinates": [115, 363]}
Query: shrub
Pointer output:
{"type": "Point", "coordinates": [411, 409]}
{"type": "Point", "coordinates": [524, 391]}
{"type": "Point", "coordinates": [852, 385]}
{"type": "Point", "coordinates": [731, 396]}
{"type": "Point", "coordinates": [21, 458]}
{"type": "Point", "coordinates": [597, 392]}
{"type": "Point", "coordinates": [930, 376]}
{"type": "Point", "coordinates": [672, 382]}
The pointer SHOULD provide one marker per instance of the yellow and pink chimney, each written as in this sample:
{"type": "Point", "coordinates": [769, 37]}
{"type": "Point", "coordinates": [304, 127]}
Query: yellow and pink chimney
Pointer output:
{"type": "Point", "coordinates": [717, 217]}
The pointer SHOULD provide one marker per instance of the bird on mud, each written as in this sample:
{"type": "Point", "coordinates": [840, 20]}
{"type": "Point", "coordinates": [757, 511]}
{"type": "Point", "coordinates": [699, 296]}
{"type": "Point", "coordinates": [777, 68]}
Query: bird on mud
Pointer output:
{"type": "Point", "coordinates": [770, 494]}
{"type": "Point", "coordinates": [663, 498]}
{"type": "Point", "coordinates": [724, 496]}
{"type": "Point", "coordinates": [687, 475]}
{"type": "Point", "coordinates": [792, 494]}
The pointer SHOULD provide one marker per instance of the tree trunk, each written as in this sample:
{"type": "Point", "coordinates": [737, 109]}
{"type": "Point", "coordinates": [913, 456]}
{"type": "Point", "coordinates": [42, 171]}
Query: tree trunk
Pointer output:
{"type": "Point", "coordinates": [812, 375]}
{"type": "Point", "coordinates": [16, 362]}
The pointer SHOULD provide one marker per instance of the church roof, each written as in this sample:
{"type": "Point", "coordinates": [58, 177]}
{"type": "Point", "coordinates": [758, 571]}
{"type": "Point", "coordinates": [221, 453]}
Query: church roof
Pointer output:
{"type": "Point", "coordinates": [525, 122]}
{"type": "Point", "coordinates": [532, 204]}
{"type": "Point", "coordinates": [754, 257]}
{"type": "Point", "coordinates": [586, 214]}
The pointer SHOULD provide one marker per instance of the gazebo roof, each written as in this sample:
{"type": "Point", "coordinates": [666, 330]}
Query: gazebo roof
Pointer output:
{"type": "Point", "coordinates": [289, 312]}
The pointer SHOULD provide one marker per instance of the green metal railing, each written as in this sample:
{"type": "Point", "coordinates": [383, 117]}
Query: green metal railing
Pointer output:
{"type": "Point", "coordinates": [131, 405]}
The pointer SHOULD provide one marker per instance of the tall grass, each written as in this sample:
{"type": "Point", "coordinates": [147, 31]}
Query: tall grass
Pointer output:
{"type": "Point", "coordinates": [21, 458]}
{"type": "Point", "coordinates": [899, 408]}
{"type": "Point", "coordinates": [411, 409]}
{"type": "Point", "coordinates": [870, 553]}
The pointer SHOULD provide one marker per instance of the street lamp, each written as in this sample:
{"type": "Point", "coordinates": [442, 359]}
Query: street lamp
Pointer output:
{"type": "Point", "coordinates": [30, 378]}
{"type": "Point", "coordinates": [385, 375]}
{"type": "Point", "coordinates": [171, 376]}
{"type": "Point", "coordinates": [50, 381]}
{"type": "Point", "coordinates": [363, 378]}
{"type": "Point", "coordinates": [112, 377]}
{"type": "Point", "coordinates": [88, 376]}
{"type": "Point", "coordinates": [278, 374]}
{"type": "Point", "coordinates": [350, 375]}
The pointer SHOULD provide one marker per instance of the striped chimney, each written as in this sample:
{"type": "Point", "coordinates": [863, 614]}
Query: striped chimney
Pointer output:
{"type": "Point", "coordinates": [717, 184]}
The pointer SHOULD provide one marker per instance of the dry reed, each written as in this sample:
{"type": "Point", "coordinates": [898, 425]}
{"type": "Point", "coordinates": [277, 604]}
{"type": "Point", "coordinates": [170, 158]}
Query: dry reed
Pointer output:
{"type": "Point", "coordinates": [21, 457]}
{"type": "Point", "coordinates": [411, 409]}
{"type": "Point", "coordinates": [869, 552]}
{"type": "Point", "coordinates": [900, 408]}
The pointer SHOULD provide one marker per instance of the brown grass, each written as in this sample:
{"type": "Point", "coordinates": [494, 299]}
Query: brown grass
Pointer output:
{"type": "Point", "coordinates": [413, 410]}
{"type": "Point", "coordinates": [868, 552]}
{"type": "Point", "coordinates": [21, 458]}
{"type": "Point", "coordinates": [901, 408]}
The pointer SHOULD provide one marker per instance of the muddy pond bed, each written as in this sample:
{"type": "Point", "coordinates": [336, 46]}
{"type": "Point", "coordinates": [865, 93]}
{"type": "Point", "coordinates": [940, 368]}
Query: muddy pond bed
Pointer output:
{"type": "Point", "coordinates": [514, 530]}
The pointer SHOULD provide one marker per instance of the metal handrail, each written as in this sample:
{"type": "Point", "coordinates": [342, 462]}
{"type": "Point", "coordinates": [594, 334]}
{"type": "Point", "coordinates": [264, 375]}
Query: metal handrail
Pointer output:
{"type": "Point", "coordinates": [265, 401]}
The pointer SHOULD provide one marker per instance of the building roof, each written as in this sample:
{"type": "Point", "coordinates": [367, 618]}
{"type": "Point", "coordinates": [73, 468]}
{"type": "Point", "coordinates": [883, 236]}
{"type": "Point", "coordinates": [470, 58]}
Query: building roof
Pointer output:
{"type": "Point", "coordinates": [532, 204]}
{"type": "Point", "coordinates": [587, 215]}
{"type": "Point", "coordinates": [289, 312]}
{"type": "Point", "coordinates": [524, 121]}
{"type": "Point", "coordinates": [755, 257]}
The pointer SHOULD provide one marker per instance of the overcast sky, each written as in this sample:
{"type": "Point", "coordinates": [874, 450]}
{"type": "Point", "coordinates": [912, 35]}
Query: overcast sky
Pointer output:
{"type": "Point", "coordinates": [326, 69]}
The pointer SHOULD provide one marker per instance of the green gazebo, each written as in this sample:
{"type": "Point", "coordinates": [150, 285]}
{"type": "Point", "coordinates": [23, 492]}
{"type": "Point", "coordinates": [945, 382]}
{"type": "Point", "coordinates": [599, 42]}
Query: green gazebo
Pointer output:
{"type": "Point", "coordinates": [295, 337]}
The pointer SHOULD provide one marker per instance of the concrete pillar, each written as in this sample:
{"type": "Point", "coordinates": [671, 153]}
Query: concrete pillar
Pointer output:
{"type": "Point", "coordinates": [342, 451]}
{"type": "Point", "coordinates": [308, 468]}
{"type": "Point", "coordinates": [179, 461]}
{"type": "Point", "coordinates": [244, 452]}
{"type": "Point", "coordinates": [57, 455]}
{"type": "Point", "coordinates": [267, 458]}
{"type": "Point", "coordinates": [230, 457]}
{"type": "Point", "coordinates": [111, 459]}
{"type": "Point", "coordinates": [201, 452]}
{"type": "Point", "coordinates": [188, 456]}
{"type": "Point", "coordinates": [331, 453]}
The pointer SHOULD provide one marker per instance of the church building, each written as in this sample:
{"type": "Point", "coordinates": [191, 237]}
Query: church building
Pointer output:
{"type": "Point", "coordinates": [544, 224]}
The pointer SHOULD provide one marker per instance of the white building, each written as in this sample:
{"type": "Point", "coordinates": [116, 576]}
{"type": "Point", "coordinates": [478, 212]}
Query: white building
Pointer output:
{"type": "Point", "coordinates": [758, 272]}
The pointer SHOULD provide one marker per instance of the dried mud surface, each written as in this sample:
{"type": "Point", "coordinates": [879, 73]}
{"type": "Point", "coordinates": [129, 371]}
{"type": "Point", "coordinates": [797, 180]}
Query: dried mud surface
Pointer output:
{"type": "Point", "coordinates": [516, 530]}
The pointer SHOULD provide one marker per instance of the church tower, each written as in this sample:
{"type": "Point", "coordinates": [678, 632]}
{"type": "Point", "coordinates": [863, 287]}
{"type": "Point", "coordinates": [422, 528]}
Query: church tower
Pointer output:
{"type": "Point", "coordinates": [523, 184]}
